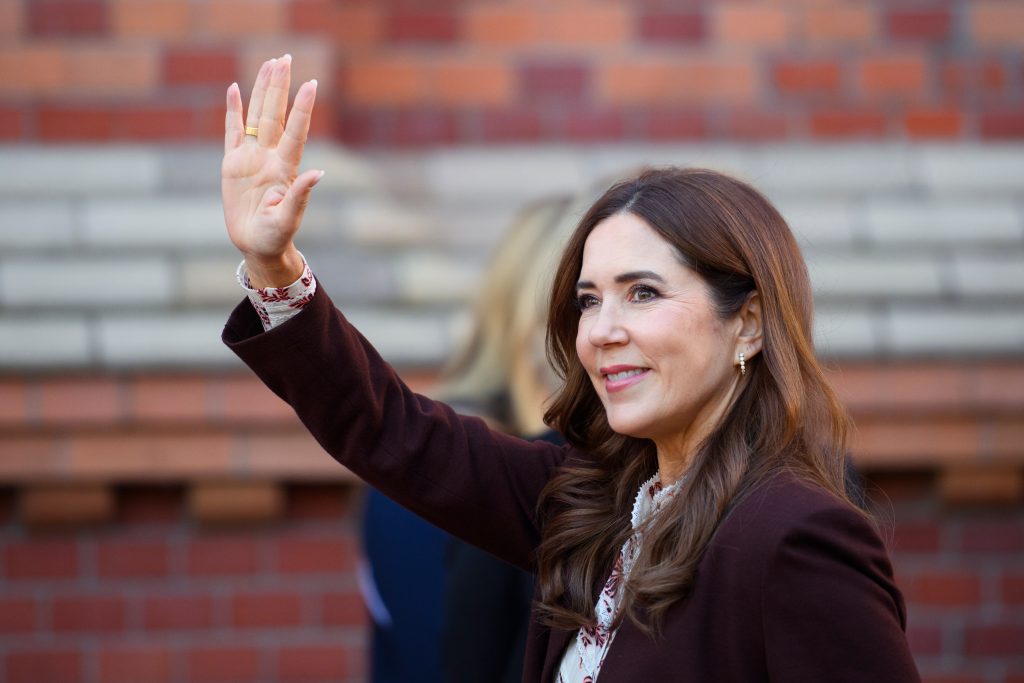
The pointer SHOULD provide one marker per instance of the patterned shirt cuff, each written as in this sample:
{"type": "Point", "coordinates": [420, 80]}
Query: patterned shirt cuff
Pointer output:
{"type": "Point", "coordinates": [276, 305]}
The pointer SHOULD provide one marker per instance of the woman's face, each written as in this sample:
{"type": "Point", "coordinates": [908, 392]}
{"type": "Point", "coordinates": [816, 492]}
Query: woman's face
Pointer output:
{"type": "Point", "coordinates": [659, 356]}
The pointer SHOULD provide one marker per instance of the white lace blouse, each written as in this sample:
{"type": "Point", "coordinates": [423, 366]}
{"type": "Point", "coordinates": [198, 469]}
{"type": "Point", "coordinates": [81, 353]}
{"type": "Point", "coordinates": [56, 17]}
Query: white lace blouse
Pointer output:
{"type": "Point", "coordinates": [583, 658]}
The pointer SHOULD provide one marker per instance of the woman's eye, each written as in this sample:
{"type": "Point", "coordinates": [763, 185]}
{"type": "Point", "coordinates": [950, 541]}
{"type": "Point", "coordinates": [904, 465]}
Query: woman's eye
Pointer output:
{"type": "Point", "coordinates": [644, 293]}
{"type": "Point", "coordinates": [585, 301]}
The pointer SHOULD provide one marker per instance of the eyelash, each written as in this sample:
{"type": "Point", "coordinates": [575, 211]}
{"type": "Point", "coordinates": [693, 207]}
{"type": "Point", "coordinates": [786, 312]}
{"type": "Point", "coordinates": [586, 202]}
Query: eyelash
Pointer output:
{"type": "Point", "coordinates": [585, 301]}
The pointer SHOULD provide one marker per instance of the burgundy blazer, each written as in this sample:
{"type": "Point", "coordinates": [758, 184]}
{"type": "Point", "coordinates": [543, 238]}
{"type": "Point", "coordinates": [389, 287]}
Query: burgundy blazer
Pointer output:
{"type": "Point", "coordinates": [794, 586]}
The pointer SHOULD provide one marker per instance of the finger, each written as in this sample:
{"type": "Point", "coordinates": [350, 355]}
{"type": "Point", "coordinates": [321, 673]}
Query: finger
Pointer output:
{"type": "Point", "coordinates": [297, 198]}
{"type": "Point", "coordinates": [276, 102]}
{"type": "Point", "coordinates": [259, 93]}
{"type": "Point", "coordinates": [233, 131]}
{"type": "Point", "coordinates": [297, 130]}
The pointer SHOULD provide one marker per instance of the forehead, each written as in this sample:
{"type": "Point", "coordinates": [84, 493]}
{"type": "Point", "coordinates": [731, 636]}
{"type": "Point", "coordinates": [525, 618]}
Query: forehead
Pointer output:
{"type": "Point", "coordinates": [625, 242]}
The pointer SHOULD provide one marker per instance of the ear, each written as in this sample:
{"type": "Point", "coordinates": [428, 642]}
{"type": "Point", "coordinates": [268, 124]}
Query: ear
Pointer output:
{"type": "Point", "coordinates": [751, 332]}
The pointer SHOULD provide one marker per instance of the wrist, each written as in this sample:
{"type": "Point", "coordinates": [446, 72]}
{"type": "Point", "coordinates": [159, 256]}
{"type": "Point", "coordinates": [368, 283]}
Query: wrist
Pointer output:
{"type": "Point", "coordinates": [278, 271]}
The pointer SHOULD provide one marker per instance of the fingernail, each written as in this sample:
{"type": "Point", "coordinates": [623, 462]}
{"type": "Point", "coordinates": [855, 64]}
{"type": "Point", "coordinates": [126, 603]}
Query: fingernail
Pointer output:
{"type": "Point", "coordinates": [286, 58]}
{"type": "Point", "coordinates": [313, 82]}
{"type": "Point", "coordinates": [317, 179]}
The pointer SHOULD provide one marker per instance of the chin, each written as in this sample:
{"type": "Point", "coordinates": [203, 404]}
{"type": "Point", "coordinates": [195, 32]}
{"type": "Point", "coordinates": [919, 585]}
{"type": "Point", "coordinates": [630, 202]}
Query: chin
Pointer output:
{"type": "Point", "coordinates": [628, 426]}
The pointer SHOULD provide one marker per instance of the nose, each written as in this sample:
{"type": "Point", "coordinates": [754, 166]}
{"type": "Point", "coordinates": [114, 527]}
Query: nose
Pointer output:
{"type": "Point", "coordinates": [607, 327]}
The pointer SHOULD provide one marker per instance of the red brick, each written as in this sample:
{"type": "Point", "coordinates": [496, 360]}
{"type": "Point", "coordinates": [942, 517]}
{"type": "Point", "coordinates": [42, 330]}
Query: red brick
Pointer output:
{"type": "Point", "coordinates": [89, 614]}
{"type": "Point", "coordinates": [266, 610]}
{"type": "Point", "coordinates": [463, 83]}
{"type": "Point", "coordinates": [807, 76]}
{"type": "Point", "coordinates": [223, 556]}
{"type": "Point", "coordinates": [746, 124]}
{"type": "Point", "coordinates": [752, 24]}
{"type": "Point", "coordinates": [970, 76]}
{"type": "Point", "coordinates": [13, 399]}
{"type": "Point", "coordinates": [847, 123]}
{"type": "Point", "coordinates": [154, 122]}
{"type": "Point", "coordinates": [184, 65]}
{"type": "Point", "coordinates": [1011, 588]}
{"type": "Point", "coordinates": [698, 81]}
{"type": "Point", "coordinates": [310, 16]}
{"type": "Point", "coordinates": [313, 663]}
{"type": "Point", "coordinates": [1002, 124]}
{"type": "Point", "coordinates": [917, 537]}
{"type": "Point", "coordinates": [41, 559]}
{"type": "Point", "coordinates": [834, 24]}
{"type": "Point", "coordinates": [384, 81]}
{"type": "Point", "coordinates": [60, 123]}
{"type": "Point", "coordinates": [672, 27]}
{"type": "Point", "coordinates": [994, 24]}
{"type": "Point", "coordinates": [419, 127]}
{"type": "Point", "coordinates": [924, 640]}
{"type": "Point", "coordinates": [510, 125]}
{"type": "Point", "coordinates": [87, 400]}
{"type": "Point", "coordinates": [123, 559]}
{"type": "Point", "coordinates": [423, 26]}
{"type": "Point", "coordinates": [933, 123]}
{"type": "Point", "coordinates": [496, 25]}
{"type": "Point", "coordinates": [224, 665]}
{"type": "Point", "coordinates": [17, 615]}
{"type": "Point", "coordinates": [167, 20]}
{"type": "Point", "coordinates": [315, 555]}
{"type": "Point", "coordinates": [357, 127]}
{"type": "Point", "coordinates": [30, 457]}
{"type": "Point", "coordinates": [147, 505]}
{"type": "Point", "coordinates": [178, 612]}
{"type": "Point", "coordinates": [943, 589]}
{"type": "Point", "coordinates": [113, 69]}
{"type": "Point", "coordinates": [150, 456]}
{"type": "Point", "coordinates": [1002, 536]}
{"type": "Point", "coordinates": [331, 503]}
{"type": "Point", "coordinates": [902, 77]}
{"type": "Point", "coordinates": [554, 80]}
{"type": "Point", "coordinates": [665, 123]}
{"type": "Point", "coordinates": [135, 664]}
{"type": "Point", "coordinates": [33, 70]}
{"type": "Point", "coordinates": [46, 665]}
{"type": "Point", "coordinates": [169, 398]}
{"type": "Point", "coordinates": [994, 640]}
{"type": "Point", "coordinates": [12, 123]}
{"type": "Point", "coordinates": [918, 24]}
{"type": "Point", "coordinates": [243, 19]}
{"type": "Point", "coordinates": [597, 26]}
{"type": "Point", "coordinates": [343, 609]}
{"type": "Point", "coordinates": [67, 17]}
{"type": "Point", "coordinates": [591, 124]}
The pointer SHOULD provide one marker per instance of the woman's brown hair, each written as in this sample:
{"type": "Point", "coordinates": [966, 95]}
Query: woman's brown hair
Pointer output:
{"type": "Point", "coordinates": [786, 415]}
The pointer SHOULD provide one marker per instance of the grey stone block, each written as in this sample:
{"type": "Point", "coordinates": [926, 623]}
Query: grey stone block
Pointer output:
{"type": "Point", "coordinates": [191, 169]}
{"type": "Point", "coordinates": [943, 221]}
{"type": "Point", "coordinates": [995, 275]}
{"type": "Point", "coordinates": [602, 166]}
{"type": "Point", "coordinates": [205, 281]}
{"type": "Point", "coordinates": [77, 171]}
{"type": "Point", "coordinates": [972, 169]}
{"type": "Point", "coordinates": [820, 223]}
{"type": "Point", "coordinates": [842, 170]}
{"type": "Point", "coordinates": [163, 340]}
{"type": "Point", "coordinates": [378, 222]}
{"type": "Point", "coordinates": [35, 224]}
{"type": "Point", "coordinates": [525, 172]}
{"type": "Point", "coordinates": [41, 343]}
{"type": "Point", "coordinates": [405, 338]}
{"type": "Point", "coordinates": [882, 276]}
{"type": "Point", "coordinates": [431, 278]}
{"type": "Point", "coordinates": [354, 276]}
{"type": "Point", "coordinates": [173, 223]}
{"type": "Point", "coordinates": [90, 283]}
{"type": "Point", "coordinates": [917, 331]}
{"type": "Point", "coordinates": [841, 331]}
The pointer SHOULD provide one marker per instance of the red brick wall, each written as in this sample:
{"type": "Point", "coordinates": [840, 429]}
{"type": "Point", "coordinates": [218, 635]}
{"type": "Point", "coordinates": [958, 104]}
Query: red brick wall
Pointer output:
{"type": "Point", "coordinates": [151, 598]}
{"type": "Point", "coordinates": [401, 73]}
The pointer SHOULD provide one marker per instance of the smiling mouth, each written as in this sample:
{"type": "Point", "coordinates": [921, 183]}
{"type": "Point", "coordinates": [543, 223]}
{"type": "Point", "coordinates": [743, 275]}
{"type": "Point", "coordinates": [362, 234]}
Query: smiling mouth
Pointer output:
{"type": "Point", "coordinates": [623, 378]}
{"type": "Point", "coordinates": [617, 376]}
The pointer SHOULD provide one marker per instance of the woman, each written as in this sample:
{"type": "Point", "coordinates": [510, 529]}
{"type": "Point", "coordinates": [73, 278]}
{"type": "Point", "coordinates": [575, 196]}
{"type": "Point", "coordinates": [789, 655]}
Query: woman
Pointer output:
{"type": "Point", "coordinates": [695, 527]}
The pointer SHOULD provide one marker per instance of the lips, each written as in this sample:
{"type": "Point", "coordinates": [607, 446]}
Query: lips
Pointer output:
{"type": "Point", "coordinates": [619, 377]}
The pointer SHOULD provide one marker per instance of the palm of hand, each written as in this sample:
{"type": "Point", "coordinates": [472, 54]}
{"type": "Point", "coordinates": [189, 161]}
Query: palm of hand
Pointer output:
{"type": "Point", "coordinates": [263, 195]}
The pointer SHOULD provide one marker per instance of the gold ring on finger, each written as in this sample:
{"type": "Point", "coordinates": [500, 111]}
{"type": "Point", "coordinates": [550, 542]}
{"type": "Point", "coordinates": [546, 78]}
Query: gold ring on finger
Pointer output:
{"type": "Point", "coordinates": [252, 130]}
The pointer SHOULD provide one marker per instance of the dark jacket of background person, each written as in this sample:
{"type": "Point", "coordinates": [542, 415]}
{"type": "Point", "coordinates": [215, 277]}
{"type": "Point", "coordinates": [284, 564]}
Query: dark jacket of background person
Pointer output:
{"type": "Point", "coordinates": [795, 586]}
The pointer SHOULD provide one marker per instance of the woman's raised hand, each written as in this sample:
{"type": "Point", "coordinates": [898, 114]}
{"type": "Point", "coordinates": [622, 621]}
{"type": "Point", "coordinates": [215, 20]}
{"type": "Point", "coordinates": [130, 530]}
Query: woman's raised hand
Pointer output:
{"type": "Point", "coordinates": [264, 196]}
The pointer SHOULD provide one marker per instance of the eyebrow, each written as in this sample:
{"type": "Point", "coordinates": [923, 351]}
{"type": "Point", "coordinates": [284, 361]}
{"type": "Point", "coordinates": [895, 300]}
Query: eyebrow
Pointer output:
{"type": "Point", "coordinates": [631, 276]}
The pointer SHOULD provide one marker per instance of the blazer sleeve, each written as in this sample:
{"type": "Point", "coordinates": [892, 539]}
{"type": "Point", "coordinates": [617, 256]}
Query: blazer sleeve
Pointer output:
{"type": "Point", "coordinates": [830, 608]}
{"type": "Point", "coordinates": [453, 471]}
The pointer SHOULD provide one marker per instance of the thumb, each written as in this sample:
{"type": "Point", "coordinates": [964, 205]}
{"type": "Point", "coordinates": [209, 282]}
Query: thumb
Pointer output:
{"type": "Point", "coordinates": [297, 197]}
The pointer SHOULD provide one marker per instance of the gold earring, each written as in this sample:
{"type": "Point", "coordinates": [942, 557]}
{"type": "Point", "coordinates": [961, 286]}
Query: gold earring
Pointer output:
{"type": "Point", "coordinates": [743, 366]}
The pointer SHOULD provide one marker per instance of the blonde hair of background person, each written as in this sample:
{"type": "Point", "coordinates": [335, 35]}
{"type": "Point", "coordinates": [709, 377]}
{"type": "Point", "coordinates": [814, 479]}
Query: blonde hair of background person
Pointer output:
{"type": "Point", "coordinates": [502, 371]}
